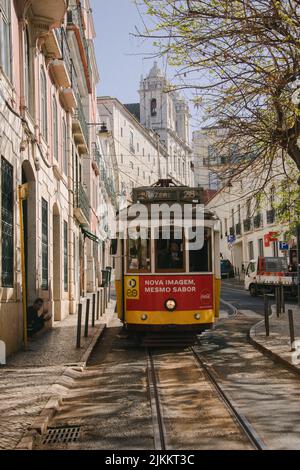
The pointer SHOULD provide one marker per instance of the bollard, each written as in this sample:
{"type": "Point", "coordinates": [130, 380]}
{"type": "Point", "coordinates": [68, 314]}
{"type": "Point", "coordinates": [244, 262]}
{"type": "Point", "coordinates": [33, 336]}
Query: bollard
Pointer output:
{"type": "Point", "coordinates": [104, 302]}
{"type": "Point", "coordinates": [267, 322]}
{"type": "Point", "coordinates": [87, 314]}
{"type": "Point", "coordinates": [277, 297]}
{"type": "Point", "coordinates": [78, 342]}
{"type": "Point", "coordinates": [292, 330]}
{"type": "Point", "coordinates": [94, 311]}
{"type": "Point", "coordinates": [98, 303]}
{"type": "Point", "coordinates": [101, 301]}
{"type": "Point", "coordinates": [282, 300]}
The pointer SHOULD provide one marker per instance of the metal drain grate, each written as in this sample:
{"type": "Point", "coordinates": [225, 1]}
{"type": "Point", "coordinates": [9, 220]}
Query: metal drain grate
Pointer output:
{"type": "Point", "coordinates": [66, 434]}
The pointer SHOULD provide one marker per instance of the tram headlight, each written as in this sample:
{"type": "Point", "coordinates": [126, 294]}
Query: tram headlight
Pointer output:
{"type": "Point", "coordinates": [171, 305]}
{"type": "Point", "coordinates": [144, 317]}
{"type": "Point", "coordinates": [197, 316]}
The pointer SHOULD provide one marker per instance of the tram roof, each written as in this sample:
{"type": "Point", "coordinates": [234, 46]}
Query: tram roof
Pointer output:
{"type": "Point", "coordinates": [165, 191]}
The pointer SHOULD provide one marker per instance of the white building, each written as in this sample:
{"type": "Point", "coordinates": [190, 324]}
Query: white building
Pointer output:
{"type": "Point", "coordinates": [212, 159]}
{"type": "Point", "coordinates": [141, 159]}
{"type": "Point", "coordinates": [247, 221]}
{"type": "Point", "coordinates": [167, 113]}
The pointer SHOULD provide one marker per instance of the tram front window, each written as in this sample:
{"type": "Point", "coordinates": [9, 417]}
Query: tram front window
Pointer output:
{"type": "Point", "coordinates": [169, 254]}
{"type": "Point", "coordinates": [139, 255]}
{"type": "Point", "coordinates": [201, 260]}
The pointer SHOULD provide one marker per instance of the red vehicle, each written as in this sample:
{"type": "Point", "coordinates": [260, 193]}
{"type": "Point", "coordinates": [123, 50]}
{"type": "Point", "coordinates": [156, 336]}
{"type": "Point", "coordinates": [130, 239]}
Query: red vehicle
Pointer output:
{"type": "Point", "coordinates": [163, 285]}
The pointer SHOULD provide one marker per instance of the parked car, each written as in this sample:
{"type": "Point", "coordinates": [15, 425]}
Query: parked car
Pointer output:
{"type": "Point", "coordinates": [227, 269]}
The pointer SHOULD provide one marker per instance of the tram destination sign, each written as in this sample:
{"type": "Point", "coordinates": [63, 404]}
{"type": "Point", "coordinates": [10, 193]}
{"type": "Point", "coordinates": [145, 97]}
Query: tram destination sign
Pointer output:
{"type": "Point", "coordinates": [173, 194]}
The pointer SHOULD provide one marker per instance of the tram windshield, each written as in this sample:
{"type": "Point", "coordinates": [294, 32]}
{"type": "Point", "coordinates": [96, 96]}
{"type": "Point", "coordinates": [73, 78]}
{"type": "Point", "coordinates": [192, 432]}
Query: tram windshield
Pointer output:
{"type": "Point", "coordinates": [139, 255]}
{"type": "Point", "coordinates": [169, 253]}
{"type": "Point", "coordinates": [201, 260]}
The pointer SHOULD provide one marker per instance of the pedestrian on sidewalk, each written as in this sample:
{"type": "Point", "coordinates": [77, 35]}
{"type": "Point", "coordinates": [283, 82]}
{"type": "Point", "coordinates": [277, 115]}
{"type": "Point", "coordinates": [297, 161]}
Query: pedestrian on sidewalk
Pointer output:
{"type": "Point", "coordinates": [36, 318]}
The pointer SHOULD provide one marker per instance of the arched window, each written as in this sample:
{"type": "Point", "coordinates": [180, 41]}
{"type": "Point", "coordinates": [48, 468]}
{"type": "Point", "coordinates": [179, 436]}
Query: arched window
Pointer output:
{"type": "Point", "coordinates": [55, 129]}
{"type": "Point", "coordinates": [43, 85]}
{"type": "Point", "coordinates": [64, 147]}
{"type": "Point", "coordinates": [153, 107]}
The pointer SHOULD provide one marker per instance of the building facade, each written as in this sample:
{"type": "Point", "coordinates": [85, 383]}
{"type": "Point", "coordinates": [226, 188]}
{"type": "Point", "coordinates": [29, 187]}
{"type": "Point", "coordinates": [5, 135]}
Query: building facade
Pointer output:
{"type": "Point", "coordinates": [167, 113]}
{"type": "Point", "coordinates": [151, 138]}
{"type": "Point", "coordinates": [141, 158]}
{"type": "Point", "coordinates": [248, 222]}
{"type": "Point", "coordinates": [213, 157]}
{"type": "Point", "coordinates": [49, 143]}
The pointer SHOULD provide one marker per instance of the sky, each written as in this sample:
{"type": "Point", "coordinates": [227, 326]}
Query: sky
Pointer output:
{"type": "Point", "coordinates": [121, 57]}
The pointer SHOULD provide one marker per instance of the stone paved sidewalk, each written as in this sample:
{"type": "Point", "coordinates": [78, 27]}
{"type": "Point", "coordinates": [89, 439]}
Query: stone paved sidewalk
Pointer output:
{"type": "Point", "coordinates": [27, 381]}
{"type": "Point", "coordinates": [278, 344]}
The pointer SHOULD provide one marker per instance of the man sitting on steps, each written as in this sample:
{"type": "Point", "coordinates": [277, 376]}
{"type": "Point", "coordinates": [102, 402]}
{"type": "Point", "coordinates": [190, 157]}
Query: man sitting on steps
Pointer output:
{"type": "Point", "coordinates": [36, 320]}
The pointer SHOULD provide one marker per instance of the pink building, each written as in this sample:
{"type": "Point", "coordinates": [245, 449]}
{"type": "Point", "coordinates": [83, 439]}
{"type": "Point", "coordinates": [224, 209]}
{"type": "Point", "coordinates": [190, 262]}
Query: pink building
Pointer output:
{"type": "Point", "coordinates": [48, 112]}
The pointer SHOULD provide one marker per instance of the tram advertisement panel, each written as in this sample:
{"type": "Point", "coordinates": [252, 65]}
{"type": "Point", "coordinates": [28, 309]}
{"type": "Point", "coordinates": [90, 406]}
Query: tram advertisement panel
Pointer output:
{"type": "Point", "coordinates": [189, 291]}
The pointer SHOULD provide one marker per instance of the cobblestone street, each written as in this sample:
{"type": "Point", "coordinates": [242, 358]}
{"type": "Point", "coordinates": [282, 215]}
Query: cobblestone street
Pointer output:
{"type": "Point", "coordinates": [27, 382]}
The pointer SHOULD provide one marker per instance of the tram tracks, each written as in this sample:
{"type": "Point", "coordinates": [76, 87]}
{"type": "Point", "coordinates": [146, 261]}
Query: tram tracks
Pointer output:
{"type": "Point", "coordinates": [217, 423]}
{"type": "Point", "coordinates": [246, 427]}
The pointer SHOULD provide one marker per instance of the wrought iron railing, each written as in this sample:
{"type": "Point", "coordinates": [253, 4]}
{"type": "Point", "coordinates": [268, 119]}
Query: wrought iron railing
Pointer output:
{"type": "Point", "coordinates": [97, 155]}
{"type": "Point", "coordinates": [79, 114]}
{"type": "Point", "coordinates": [271, 216]}
{"type": "Point", "coordinates": [247, 225]}
{"type": "Point", "coordinates": [82, 201]}
{"type": "Point", "coordinates": [108, 182]}
{"type": "Point", "coordinates": [74, 18]}
{"type": "Point", "coordinates": [257, 221]}
{"type": "Point", "coordinates": [238, 229]}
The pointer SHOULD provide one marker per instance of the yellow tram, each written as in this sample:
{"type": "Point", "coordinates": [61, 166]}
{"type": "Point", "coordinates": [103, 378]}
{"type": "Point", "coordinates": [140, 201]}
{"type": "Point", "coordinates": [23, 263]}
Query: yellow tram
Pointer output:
{"type": "Point", "coordinates": [164, 282]}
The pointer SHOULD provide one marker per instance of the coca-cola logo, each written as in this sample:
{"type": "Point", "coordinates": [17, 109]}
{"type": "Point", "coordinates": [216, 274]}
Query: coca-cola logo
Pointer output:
{"type": "Point", "coordinates": [205, 297]}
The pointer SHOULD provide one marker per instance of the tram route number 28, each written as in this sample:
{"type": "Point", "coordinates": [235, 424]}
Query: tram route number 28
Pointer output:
{"type": "Point", "coordinates": [132, 288]}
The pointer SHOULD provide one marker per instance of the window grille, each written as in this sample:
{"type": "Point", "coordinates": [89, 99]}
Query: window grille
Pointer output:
{"type": "Point", "coordinates": [66, 256]}
{"type": "Point", "coordinates": [7, 225]}
{"type": "Point", "coordinates": [45, 245]}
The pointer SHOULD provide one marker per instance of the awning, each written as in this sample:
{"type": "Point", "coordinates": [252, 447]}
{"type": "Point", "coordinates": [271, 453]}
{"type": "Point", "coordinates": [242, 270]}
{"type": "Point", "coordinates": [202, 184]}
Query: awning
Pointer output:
{"type": "Point", "coordinates": [90, 235]}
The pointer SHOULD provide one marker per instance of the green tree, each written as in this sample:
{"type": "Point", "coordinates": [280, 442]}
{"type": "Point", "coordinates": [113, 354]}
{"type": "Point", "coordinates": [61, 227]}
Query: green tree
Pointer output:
{"type": "Point", "coordinates": [241, 58]}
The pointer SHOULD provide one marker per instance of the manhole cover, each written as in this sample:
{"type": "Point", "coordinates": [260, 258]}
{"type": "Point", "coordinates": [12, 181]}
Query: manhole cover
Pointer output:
{"type": "Point", "coordinates": [64, 434]}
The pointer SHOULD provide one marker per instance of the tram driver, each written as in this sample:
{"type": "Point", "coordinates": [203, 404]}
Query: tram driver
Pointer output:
{"type": "Point", "coordinates": [171, 258]}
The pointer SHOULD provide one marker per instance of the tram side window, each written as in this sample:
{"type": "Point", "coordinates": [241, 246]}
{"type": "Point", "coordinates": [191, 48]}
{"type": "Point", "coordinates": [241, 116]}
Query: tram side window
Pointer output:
{"type": "Point", "coordinates": [169, 254]}
{"type": "Point", "coordinates": [201, 260]}
{"type": "Point", "coordinates": [139, 255]}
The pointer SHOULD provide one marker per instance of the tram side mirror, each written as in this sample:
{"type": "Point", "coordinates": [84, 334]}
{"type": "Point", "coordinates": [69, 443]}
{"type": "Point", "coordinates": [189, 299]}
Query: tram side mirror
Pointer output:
{"type": "Point", "coordinates": [114, 247]}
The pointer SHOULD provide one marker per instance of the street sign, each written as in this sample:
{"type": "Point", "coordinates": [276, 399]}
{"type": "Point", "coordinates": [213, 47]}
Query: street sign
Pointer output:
{"type": "Point", "coordinates": [231, 238]}
{"type": "Point", "coordinates": [283, 246]}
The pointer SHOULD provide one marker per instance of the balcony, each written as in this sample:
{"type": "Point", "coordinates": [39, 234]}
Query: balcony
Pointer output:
{"type": "Point", "coordinates": [108, 183]}
{"type": "Point", "coordinates": [75, 24]}
{"type": "Point", "coordinates": [271, 216]}
{"type": "Point", "coordinates": [61, 69]}
{"type": "Point", "coordinates": [247, 225]}
{"type": "Point", "coordinates": [97, 159]}
{"type": "Point", "coordinates": [80, 128]}
{"type": "Point", "coordinates": [81, 205]}
{"type": "Point", "coordinates": [52, 45]}
{"type": "Point", "coordinates": [257, 221]}
{"type": "Point", "coordinates": [238, 229]}
{"type": "Point", "coordinates": [52, 12]}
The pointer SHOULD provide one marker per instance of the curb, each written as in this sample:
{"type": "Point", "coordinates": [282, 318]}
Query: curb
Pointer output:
{"type": "Point", "coordinates": [40, 423]}
{"type": "Point", "coordinates": [267, 352]}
